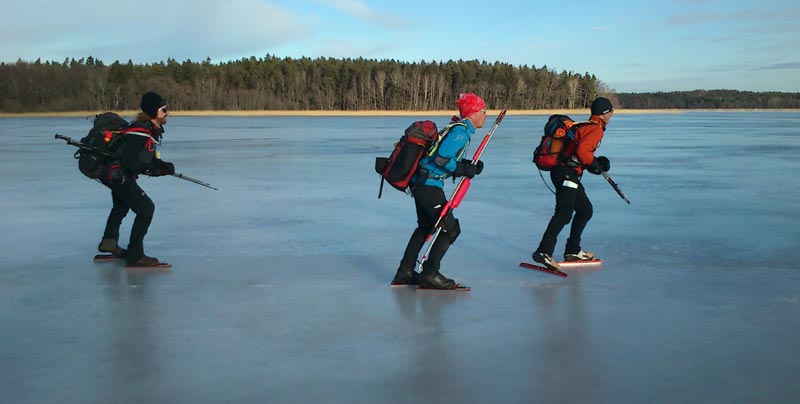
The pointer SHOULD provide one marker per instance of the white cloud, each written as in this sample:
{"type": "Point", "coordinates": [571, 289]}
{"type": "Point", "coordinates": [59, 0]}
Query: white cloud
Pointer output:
{"type": "Point", "coordinates": [148, 31]}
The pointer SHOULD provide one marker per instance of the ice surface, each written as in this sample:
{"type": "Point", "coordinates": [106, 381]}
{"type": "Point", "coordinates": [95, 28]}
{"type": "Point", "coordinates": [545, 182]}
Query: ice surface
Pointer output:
{"type": "Point", "coordinates": [279, 290]}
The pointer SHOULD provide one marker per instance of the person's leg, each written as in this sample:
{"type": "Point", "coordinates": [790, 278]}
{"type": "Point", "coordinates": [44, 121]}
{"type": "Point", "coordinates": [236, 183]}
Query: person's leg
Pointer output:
{"type": "Point", "coordinates": [426, 218]}
{"type": "Point", "coordinates": [406, 275]}
{"type": "Point", "coordinates": [432, 200]}
{"type": "Point", "coordinates": [110, 241]}
{"type": "Point", "coordinates": [566, 191]}
{"type": "Point", "coordinates": [141, 204]}
{"type": "Point", "coordinates": [566, 185]}
{"type": "Point", "coordinates": [583, 213]}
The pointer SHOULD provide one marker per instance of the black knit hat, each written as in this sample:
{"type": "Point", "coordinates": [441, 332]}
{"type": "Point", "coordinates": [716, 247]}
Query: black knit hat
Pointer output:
{"type": "Point", "coordinates": [601, 106]}
{"type": "Point", "coordinates": [151, 102]}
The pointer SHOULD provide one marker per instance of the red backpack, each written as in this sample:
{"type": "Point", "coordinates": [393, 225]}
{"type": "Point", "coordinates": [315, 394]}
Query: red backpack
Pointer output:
{"type": "Point", "coordinates": [558, 132]}
{"type": "Point", "coordinates": [401, 165]}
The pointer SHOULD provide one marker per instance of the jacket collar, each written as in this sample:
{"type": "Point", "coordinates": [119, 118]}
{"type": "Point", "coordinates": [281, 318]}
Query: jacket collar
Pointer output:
{"type": "Point", "coordinates": [596, 119]}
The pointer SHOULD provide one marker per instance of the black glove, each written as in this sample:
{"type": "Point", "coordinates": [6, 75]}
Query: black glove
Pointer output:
{"type": "Point", "coordinates": [603, 163]}
{"type": "Point", "coordinates": [164, 168]}
{"type": "Point", "coordinates": [465, 168]}
{"type": "Point", "coordinates": [168, 169]}
{"type": "Point", "coordinates": [478, 167]}
{"type": "Point", "coordinates": [600, 164]}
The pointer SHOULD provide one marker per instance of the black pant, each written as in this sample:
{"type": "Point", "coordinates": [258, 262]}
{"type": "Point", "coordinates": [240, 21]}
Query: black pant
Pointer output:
{"type": "Point", "coordinates": [429, 201]}
{"type": "Point", "coordinates": [129, 196]}
{"type": "Point", "coordinates": [570, 196]}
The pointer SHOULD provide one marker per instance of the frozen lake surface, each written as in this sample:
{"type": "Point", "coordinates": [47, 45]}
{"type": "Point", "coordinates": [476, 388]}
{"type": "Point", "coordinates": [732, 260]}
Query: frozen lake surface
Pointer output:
{"type": "Point", "coordinates": [279, 290]}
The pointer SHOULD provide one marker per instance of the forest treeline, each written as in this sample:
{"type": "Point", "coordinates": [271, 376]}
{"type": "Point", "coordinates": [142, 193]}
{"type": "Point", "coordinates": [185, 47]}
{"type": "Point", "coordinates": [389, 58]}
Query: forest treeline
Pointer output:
{"type": "Point", "coordinates": [710, 99]}
{"type": "Point", "coordinates": [272, 83]}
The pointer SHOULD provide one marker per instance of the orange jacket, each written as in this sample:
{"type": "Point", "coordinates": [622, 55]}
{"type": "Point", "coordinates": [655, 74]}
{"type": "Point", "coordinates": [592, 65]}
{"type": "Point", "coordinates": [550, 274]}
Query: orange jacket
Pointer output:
{"type": "Point", "coordinates": [587, 137]}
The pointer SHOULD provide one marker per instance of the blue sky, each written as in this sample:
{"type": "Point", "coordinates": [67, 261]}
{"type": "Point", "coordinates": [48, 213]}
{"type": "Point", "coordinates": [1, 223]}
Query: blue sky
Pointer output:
{"type": "Point", "coordinates": [631, 46]}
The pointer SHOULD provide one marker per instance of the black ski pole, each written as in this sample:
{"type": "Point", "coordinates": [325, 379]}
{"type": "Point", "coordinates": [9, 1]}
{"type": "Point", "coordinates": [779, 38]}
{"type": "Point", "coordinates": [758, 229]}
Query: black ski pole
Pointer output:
{"type": "Point", "coordinates": [615, 186]}
{"type": "Point", "coordinates": [112, 155]}
{"type": "Point", "coordinates": [196, 181]}
{"type": "Point", "coordinates": [86, 147]}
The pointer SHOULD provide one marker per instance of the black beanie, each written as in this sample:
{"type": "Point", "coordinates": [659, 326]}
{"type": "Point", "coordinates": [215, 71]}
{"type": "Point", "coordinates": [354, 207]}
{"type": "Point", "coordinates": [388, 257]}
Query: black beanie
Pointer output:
{"type": "Point", "coordinates": [601, 106]}
{"type": "Point", "coordinates": [151, 102]}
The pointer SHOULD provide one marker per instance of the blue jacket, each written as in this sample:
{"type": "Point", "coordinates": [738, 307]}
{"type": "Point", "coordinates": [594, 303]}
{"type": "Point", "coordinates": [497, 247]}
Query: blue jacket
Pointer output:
{"type": "Point", "coordinates": [451, 150]}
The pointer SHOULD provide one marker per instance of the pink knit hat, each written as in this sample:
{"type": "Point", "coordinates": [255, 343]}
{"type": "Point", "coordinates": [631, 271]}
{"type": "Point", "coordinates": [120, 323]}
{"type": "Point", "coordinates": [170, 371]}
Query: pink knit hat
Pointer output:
{"type": "Point", "coordinates": [468, 104]}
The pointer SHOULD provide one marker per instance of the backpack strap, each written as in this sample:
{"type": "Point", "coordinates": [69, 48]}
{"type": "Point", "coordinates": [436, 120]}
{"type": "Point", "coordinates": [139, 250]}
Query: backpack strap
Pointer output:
{"type": "Point", "coordinates": [441, 136]}
{"type": "Point", "coordinates": [433, 151]}
{"type": "Point", "coordinates": [562, 157]}
{"type": "Point", "coordinates": [574, 127]}
{"type": "Point", "coordinates": [140, 132]}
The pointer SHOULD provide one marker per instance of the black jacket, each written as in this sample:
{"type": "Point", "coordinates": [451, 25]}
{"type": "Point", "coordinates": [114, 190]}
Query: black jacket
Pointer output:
{"type": "Point", "coordinates": [137, 153]}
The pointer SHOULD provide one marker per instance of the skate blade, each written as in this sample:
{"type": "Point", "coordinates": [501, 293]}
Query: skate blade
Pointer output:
{"type": "Point", "coordinates": [458, 288]}
{"type": "Point", "coordinates": [581, 264]}
{"type": "Point", "coordinates": [543, 269]}
{"type": "Point", "coordinates": [401, 284]}
{"type": "Point", "coordinates": [162, 265]}
{"type": "Point", "coordinates": [107, 257]}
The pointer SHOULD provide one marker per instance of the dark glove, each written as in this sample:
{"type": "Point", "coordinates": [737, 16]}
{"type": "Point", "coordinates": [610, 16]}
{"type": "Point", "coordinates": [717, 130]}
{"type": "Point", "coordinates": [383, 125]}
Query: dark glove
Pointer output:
{"type": "Point", "coordinates": [168, 169]}
{"type": "Point", "coordinates": [600, 164]}
{"type": "Point", "coordinates": [478, 167]}
{"type": "Point", "coordinates": [465, 168]}
{"type": "Point", "coordinates": [164, 168]}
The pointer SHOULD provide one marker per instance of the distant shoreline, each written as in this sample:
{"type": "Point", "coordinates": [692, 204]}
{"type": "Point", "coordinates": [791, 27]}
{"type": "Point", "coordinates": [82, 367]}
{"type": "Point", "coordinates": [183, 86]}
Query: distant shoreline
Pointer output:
{"type": "Point", "coordinates": [378, 113]}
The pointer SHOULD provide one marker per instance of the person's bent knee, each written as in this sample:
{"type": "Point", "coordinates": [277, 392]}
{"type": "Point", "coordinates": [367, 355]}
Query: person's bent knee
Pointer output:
{"type": "Point", "coordinates": [453, 230]}
{"type": "Point", "coordinates": [585, 211]}
{"type": "Point", "coordinates": [563, 218]}
{"type": "Point", "coordinates": [145, 210]}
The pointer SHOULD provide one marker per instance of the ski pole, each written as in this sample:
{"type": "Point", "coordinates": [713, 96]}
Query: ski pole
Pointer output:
{"type": "Point", "coordinates": [196, 181]}
{"type": "Point", "coordinates": [112, 155]}
{"type": "Point", "coordinates": [458, 193]}
{"type": "Point", "coordinates": [86, 147]}
{"type": "Point", "coordinates": [615, 186]}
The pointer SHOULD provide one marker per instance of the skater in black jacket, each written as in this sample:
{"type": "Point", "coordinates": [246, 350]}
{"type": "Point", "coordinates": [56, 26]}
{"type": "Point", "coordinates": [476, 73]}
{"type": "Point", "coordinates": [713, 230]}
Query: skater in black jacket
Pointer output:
{"type": "Point", "coordinates": [137, 155]}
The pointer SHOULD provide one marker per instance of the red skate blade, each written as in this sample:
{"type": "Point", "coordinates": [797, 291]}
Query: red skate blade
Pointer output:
{"type": "Point", "coordinates": [543, 269]}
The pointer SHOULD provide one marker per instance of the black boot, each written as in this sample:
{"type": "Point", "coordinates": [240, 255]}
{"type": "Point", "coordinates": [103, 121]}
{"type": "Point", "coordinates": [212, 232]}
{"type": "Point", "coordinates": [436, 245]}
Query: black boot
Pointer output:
{"type": "Point", "coordinates": [432, 279]}
{"type": "Point", "coordinates": [405, 276]}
